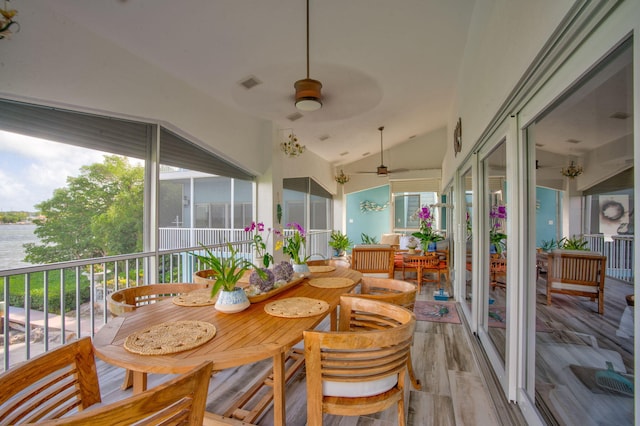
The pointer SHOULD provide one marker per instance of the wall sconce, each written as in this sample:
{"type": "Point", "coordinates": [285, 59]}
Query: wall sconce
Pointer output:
{"type": "Point", "coordinates": [572, 171]}
{"type": "Point", "coordinates": [341, 178]}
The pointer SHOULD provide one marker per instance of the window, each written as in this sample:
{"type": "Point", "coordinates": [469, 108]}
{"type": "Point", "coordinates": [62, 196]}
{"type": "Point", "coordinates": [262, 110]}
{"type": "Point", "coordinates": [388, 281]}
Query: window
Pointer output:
{"type": "Point", "coordinates": [406, 205]}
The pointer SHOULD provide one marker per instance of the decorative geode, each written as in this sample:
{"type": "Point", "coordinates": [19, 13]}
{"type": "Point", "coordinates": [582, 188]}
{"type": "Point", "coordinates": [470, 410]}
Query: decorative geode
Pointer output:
{"type": "Point", "coordinates": [283, 271]}
{"type": "Point", "coordinates": [264, 284]}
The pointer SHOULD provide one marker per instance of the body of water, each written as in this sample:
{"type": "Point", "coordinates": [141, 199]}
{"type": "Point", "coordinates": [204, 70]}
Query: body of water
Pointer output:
{"type": "Point", "coordinates": [12, 237]}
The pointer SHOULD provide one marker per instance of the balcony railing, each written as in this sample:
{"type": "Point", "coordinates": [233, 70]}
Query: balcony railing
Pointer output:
{"type": "Point", "coordinates": [619, 254]}
{"type": "Point", "coordinates": [48, 305]}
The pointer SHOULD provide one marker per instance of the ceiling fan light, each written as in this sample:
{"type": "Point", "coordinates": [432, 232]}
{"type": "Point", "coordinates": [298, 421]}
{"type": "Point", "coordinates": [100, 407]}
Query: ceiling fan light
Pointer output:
{"type": "Point", "coordinates": [308, 96]}
{"type": "Point", "coordinates": [382, 170]}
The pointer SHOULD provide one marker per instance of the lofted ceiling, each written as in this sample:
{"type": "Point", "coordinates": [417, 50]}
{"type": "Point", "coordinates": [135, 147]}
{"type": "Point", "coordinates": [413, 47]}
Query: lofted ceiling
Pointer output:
{"type": "Point", "coordinates": [380, 62]}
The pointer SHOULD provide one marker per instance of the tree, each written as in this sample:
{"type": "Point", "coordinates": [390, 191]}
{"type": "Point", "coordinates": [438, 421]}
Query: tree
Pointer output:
{"type": "Point", "coordinates": [98, 213]}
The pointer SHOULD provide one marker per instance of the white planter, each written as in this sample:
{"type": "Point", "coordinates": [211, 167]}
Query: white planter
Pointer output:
{"type": "Point", "coordinates": [231, 302]}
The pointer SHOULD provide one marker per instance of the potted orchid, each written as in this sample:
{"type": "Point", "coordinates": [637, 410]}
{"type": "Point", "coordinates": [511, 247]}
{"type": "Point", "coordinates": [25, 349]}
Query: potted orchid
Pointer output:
{"type": "Point", "coordinates": [497, 216]}
{"type": "Point", "coordinates": [294, 244]}
{"type": "Point", "coordinates": [260, 243]}
{"type": "Point", "coordinates": [225, 272]}
{"type": "Point", "coordinates": [427, 236]}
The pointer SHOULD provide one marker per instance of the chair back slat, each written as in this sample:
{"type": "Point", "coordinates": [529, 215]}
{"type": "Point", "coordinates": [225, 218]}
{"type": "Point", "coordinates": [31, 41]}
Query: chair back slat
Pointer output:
{"type": "Point", "coordinates": [181, 400]}
{"type": "Point", "coordinates": [374, 358]}
{"type": "Point", "coordinates": [128, 299]}
{"type": "Point", "coordinates": [577, 274]}
{"type": "Point", "coordinates": [50, 385]}
{"type": "Point", "coordinates": [373, 259]}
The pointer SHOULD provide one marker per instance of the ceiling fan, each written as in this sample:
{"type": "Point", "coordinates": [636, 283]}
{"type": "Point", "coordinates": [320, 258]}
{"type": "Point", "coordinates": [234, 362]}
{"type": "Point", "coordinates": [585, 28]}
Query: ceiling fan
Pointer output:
{"type": "Point", "coordinates": [383, 170]}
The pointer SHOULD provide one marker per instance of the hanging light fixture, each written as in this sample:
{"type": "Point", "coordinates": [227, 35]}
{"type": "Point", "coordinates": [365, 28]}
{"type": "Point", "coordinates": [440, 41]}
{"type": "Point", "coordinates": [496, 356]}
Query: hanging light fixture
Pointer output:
{"type": "Point", "coordinates": [382, 170]}
{"type": "Point", "coordinates": [341, 178]}
{"type": "Point", "coordinates": [291, 147]}
{"type": "Point", "coordinates": [6, 20]}
{"type": "Point", "coordinates": [572, 171]}
{"type": "Point", "coordinates": [308, 96]}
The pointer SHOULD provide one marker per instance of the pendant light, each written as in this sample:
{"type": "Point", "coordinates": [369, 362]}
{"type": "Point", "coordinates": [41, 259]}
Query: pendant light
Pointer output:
{"type": "Point", "coordinates": [382, 169]}
{"type": "Point", "coordinates": [308, 96]}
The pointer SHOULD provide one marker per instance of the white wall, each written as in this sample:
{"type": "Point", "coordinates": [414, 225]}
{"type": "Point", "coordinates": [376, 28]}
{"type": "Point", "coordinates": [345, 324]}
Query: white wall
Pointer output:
{"type": "Point", "coordinates": [504, 38]}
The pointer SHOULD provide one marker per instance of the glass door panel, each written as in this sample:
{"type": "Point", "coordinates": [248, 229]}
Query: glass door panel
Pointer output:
{"type": "Point", "coordinates": [495, 253]}
{"type": "Point", "coordinates": [584, 355]}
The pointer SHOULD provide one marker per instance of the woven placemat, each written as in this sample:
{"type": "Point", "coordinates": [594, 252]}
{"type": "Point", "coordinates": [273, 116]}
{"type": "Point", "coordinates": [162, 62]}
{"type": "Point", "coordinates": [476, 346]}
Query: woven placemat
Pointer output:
{"type": "Point", "coordinates": [296, 307]}
{"type": "Point", "coordinates": [170, 337]}
{"type": "Point", "coordinates": [321, 268]}
{"type": "Point", "coordinates": [331, 282]}
{"type": "Point", "coordinates": [200, 297]}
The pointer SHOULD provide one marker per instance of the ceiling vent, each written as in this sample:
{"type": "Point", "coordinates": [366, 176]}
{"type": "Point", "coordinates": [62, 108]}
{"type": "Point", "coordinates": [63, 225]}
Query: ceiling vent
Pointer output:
{"type": "Point", "coordinates": [620, 115]}
{"type": "Point", "coordinates": [342, 154]}
{"type": "Point", "coordinates": [323, 137]}
{"type": "Point", "coordinates": [250, 82]}
{"type": "Point", "coordinates": [295, 116]}
{"type": "Point", "coordinates": [573, 141]}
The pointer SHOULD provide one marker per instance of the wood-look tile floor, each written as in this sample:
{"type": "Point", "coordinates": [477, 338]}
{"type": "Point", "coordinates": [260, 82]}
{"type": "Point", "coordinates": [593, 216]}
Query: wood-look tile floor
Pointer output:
{"type": "Point", "coordinates": [453, 392]}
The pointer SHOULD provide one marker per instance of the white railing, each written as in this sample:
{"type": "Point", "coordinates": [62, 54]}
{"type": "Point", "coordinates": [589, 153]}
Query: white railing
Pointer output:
{"type": "Point", "coordinates": [48, 305]}
{"type": "Point", "coordinates": [619, 254]}
{"type": "Point", "coordinates": [173, 238]}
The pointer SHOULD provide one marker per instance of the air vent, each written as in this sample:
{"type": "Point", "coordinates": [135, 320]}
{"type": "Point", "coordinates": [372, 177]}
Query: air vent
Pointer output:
{"type": "Point", "coordinates": [323, 137]}
{"type": "Point", "coordinates": [539, 145]}
{"type": "Point", "coordinates": [573, 141]}
{"type": "Point", "coordinates": [342, 154]}
{"type": "Point", "coordinates": [412, 136]}
{"type": "Point", "coordinates": [365, 154]}
{"type": "Point", "coordinates": [295, 116]}
{"type": "Point", "coordinates": [620, 115]}
{"type": "Point", "coordinates": [250, 82]}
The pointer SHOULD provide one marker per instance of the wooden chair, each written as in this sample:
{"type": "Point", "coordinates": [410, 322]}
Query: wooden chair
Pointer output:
{"type": "Point", "coordinates": [577, 274]}
{"type": "Point", "coordinates": [128, 299]}
{"type": "Point", "coordinates": [64, 382]}
{"type": "Point", "coordinates": [352, 373]}
{"type": "Point", "coordinates": [429, 263]}
{"type": "Point", "coordinates": [497, 268]}
{"type": "Point", "coordinates": [373, 259]}
{"type": "Point", "coordinates": [397, 292]}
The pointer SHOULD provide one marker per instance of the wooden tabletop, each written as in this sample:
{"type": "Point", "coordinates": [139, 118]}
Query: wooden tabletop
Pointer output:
{"type": "Point", "coordinates": [241, 338]}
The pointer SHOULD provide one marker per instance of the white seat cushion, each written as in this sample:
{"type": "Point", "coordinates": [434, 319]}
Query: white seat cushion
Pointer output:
{"type": "Point", "coordinates": [356, 389]}
{"type": "Point", "coordinates": [575, 287]}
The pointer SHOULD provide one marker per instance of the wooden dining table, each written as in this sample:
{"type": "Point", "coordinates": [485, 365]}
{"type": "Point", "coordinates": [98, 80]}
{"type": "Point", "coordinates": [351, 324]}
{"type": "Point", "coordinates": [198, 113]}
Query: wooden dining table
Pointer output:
{"type": "Point", "coordinates": [241, 338]}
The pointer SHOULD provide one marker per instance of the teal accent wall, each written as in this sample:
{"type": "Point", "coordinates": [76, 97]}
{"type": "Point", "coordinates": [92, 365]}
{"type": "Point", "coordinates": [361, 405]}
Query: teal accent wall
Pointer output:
{"type": "Point", "coordinates": [546, 212]}
{"type": "Point", "coordinates": [372, 223]}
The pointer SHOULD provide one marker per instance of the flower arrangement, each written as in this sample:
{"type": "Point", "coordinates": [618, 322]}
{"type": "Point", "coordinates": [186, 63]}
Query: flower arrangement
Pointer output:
{"type": "Point", "coordinates": [260, 243]}
{"type": "Point", "coordinates": [426, 234]}
{"type": "Point", "coordinates": [294, 243]}
{"type": "Point", "coordinates": [497, 216]}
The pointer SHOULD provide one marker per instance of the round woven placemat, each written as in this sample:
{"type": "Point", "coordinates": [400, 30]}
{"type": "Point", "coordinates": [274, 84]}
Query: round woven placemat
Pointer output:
{"type": "Point", "coordinates": [296, 307]}
{"type": "Point", "coordinates": [170, 337]}
{"type": "Point", "coordinates": [331, 282]}
{"type": "Point", "coordinates": [200, 297]}
{"type": "Point", "coordinates": [321, 268]}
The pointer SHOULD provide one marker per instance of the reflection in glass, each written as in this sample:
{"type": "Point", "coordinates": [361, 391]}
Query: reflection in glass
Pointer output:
{"type": "Point", "coordinates": [579, 352]}
{"type": "Point", "coordinates": [495, 167]}
{"type": "Point", "coordinates": [468, 247]}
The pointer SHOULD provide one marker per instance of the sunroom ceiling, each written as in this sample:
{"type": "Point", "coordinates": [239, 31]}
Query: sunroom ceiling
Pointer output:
{"type": "Point", "coordinates": [380, 63]}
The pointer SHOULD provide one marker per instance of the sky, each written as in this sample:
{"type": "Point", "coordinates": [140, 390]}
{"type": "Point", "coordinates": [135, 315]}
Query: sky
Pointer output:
{"type": "Point", "coordinates": [31, 168]}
